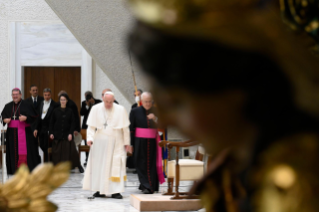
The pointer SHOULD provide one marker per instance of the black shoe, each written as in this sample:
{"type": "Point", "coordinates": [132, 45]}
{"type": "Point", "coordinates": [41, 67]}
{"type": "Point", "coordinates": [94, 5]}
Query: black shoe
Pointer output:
{"type": "Point", "coordinates": [141, 187]}
{"type": "Point", "coordinates": [146, 191]}
{"type": "Point", "coordinates": [134, 172]}
{"type": "Point", "coordinates": [81, 170]}
{"type": "Point", "coordinates": [117, 196]}
{"type": "Point", "coordinates": [97, 194]}
{"type": "Point", "coordinates": [84, 164]}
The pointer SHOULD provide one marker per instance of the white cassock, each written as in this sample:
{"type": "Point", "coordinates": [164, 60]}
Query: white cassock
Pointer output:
{"type": "Point", "coordinates": [106, 167]}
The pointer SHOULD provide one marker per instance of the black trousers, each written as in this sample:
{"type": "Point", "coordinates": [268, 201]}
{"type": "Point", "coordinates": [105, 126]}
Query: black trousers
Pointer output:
{"type": "Point", "coordinates": [87, 153]}
{"type": "Point", "coordinates": [44, 145]}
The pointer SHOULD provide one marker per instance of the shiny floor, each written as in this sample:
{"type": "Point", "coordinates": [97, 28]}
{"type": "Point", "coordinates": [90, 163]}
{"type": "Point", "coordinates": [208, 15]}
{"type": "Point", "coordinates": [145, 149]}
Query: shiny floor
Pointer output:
{"type": "Point", "coordinates": [71, 197]}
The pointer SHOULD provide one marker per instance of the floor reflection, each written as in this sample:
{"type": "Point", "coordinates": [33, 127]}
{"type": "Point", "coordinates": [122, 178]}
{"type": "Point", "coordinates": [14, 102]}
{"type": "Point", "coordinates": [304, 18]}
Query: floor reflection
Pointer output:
{"type": "Point", "coordinates": [71, 197]}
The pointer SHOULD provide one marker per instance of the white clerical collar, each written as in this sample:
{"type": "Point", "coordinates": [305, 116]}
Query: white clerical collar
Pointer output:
{"type": "Point", "coordinates": [47, 102]}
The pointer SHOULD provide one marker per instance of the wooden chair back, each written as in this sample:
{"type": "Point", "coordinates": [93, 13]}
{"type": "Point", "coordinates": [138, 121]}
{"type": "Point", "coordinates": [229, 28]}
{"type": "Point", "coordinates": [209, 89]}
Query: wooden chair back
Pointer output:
{"type": "Point", "coordinates": [83, 148]}
{"type": "Point", "coordinates": [83, 133]}
{"type": "Point", "coordinates": [199, 156]}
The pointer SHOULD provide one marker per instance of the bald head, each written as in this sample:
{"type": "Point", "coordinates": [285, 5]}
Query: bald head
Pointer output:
{"type": "Point", "coordinates": [146, 94]}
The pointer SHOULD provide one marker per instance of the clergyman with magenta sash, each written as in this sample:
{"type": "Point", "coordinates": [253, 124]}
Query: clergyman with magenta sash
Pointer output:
{"type": "Point", "coordinates": [21, 147]}
{"type": "Point", "coordinates": [147, 153]}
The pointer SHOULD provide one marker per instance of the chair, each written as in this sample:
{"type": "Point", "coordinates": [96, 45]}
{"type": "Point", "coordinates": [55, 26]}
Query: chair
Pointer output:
{"type": "Point", "coordinates": [182, 169]}
{"type": "Point", "coordinates": [83, 148]}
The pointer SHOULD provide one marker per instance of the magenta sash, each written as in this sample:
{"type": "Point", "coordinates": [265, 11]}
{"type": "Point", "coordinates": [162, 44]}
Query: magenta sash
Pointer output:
{"type": "Point", "coordinates": [153, 134]}
{"type": "Point", "coordinates": [22, 141]}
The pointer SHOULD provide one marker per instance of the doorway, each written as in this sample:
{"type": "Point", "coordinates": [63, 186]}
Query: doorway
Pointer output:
{"type": "Point", "coordinates": [55, 78]}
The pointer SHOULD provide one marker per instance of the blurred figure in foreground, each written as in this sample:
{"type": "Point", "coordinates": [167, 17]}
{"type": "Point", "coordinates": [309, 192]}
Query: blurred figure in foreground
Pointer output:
{"type": "Point", "coordinates": [237, 81]}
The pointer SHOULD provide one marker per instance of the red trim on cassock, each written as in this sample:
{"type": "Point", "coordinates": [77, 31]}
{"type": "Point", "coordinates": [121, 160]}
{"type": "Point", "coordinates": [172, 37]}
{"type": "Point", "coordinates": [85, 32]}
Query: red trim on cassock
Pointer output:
{"type": "Point", "coordinates": [148, 156]}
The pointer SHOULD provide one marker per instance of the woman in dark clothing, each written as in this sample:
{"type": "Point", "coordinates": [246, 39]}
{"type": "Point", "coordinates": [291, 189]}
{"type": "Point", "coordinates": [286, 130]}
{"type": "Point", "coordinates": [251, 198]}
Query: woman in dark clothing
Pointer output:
{"type": "Point", "coordinates": [62, 126]}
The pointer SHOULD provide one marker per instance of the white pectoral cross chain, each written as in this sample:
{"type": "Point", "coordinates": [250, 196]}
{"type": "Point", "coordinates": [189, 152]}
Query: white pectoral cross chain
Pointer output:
{"type": "Point", "coordinates": [107, 118]}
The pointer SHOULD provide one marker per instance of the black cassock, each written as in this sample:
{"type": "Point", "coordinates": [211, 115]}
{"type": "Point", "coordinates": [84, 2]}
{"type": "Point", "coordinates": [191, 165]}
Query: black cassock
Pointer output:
{"type": "Point", "coordinates": [13, 111]}
{"type": "Point", "coordinates": [144, 150]}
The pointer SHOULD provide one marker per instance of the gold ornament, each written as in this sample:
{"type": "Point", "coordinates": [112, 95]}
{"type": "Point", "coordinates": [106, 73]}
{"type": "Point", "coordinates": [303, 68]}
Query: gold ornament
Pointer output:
{"type": "Point", "coordinates": [26, 192]}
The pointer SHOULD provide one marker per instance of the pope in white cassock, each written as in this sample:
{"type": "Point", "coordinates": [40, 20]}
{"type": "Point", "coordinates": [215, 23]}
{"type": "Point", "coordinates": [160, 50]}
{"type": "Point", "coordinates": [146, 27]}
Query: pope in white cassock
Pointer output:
{"type": "Point", "coordinates": [109, 137]}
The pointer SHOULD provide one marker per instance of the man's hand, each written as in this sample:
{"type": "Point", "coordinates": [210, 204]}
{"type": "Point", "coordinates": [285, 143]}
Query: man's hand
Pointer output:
{"type": "Point", "coordinates": [128, 149]}
{"type": "Point", "coordinates": [35, 132]}
{"type": "Point", "coordinates": [151, 116]}
{"type": "Point", "coordinates": [76, 133]}
{"type": "Point", "coordinates": [92, 101]}
{"type": "Point", "coordinates": [22, 118]}
{"type": "Point", "coordinates": [7, 120]}
{"type": "Point", "coordinates": [70, 137]}
{"type": "Point", "coordinates": [90, 143]}
{"type": "Point", "coordinates": [52, 136]}
{"type": "Point", "coordinates": [88, 103]}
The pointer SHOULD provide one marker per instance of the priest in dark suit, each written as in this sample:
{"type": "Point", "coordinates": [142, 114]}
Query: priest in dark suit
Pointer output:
{"type": "Point", "coordinates": [35, 99]}
{"type": "Point", "coordinates": [41, 126]}
{"type": "Point", "coordinates": [21, 146]}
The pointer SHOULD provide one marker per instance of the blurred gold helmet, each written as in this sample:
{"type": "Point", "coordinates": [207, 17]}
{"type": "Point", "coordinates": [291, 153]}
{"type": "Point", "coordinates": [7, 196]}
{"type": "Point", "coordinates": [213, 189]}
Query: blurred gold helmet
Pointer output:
{"type": "Point", "coordinates": [255, 25]}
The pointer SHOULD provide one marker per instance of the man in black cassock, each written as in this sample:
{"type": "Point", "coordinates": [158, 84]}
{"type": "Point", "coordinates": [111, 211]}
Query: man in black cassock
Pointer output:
{"type": "Point", "coordinates": [20, 144]}
{"type": "Point", "coordinates": [145, 148]}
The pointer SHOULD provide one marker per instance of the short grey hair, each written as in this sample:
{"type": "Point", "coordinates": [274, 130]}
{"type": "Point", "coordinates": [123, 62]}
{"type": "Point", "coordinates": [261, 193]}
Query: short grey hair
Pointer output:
{"type": "Point", "coordinates": [146, 93]}
{"type": "Point", "coordinates": [46, 90]}
{"type": "Point", "coordinates": [16, 89]}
